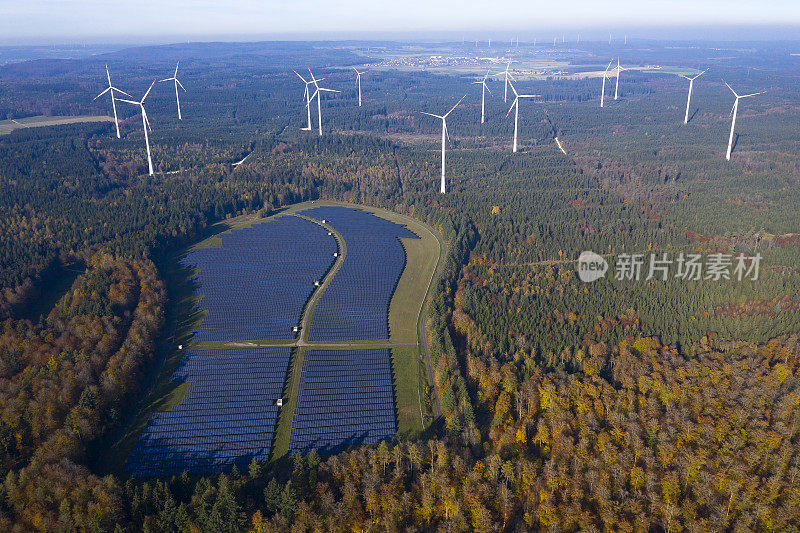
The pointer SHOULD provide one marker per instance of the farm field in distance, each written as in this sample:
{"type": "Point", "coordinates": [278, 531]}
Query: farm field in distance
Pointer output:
{"type": "Point", "coordinates": [7, 126]}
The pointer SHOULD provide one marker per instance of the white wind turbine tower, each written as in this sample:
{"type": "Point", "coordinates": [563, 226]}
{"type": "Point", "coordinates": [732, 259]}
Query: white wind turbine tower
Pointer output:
{"type": "Point", "coordinates": [515, 106]}
{"type": "Point", "coordinates": [358, 82]}
{"type": "Point", "coordinates": [616, 90]}
{"type": "Point", "coordinates": [484, 88]}
{"type": "Point", "coordinates": [689, 100]}
{"type": "Point", "coordinates": [306, 95]}
{"type": "Point", "coordinates": [445, 135]}
{"type": "Point", "coordinates": [508, 77]}
{"type": "Point", "coordinates": [605, 76]}
{"type": "Point", "coordinates": [111, 88]}
{"type": "Point", "coordinates": [734, 112]}
{"type": "Point", "coordinates": [317, 92]}
{"type": "Point", "coordinates": [175, 79]}
{"type": "Point", "coordinates": [145, 123]}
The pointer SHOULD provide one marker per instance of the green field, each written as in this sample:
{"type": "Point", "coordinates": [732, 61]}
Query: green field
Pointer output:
{"type": "Point", "coordinates": [7, 126]}
{"type": "Point", "coordinates": [404, 325]}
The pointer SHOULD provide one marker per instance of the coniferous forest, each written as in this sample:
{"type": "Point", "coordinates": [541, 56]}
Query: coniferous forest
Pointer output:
{"type": "Point", "coordinates": [661, 404]}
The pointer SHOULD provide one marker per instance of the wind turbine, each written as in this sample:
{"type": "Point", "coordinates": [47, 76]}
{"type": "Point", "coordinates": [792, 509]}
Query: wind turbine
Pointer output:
{"type": "Point", "coordinates": [145, 123]}
{"type": "Point", "coordinates": [317, 92]}
{"type": "Point", "coordinates": [616, 90]}
{"type": "Point", "coordinates": [508, 77]}
{"type": "Point", "coordinates": [306, 95]}
{"type": "Point", "coordinates": [734, 112]}
{"type": "Point", "coordinates": [175, 79]}
{"type": "Point", "coordinates": [605, 76]}
{"type": "Point", "coordinates": [113, 104]}
{"type": "Point", "coordinates": [515, 106]}
{"type": "Point", "coordinates": [358, 82]}
{"type": "Point", "coordinates": [445, 135]}
{"type": "Point", "coordinates": [484, 88]}
{"type": "Point", "coordinates": [689, 100]}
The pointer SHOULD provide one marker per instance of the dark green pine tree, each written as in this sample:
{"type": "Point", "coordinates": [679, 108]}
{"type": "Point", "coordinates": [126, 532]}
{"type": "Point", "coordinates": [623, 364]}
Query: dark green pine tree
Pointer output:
{"type": "Point", "coordinates": [288, 503]}
{"type": "Point", "coordinates": [272, 496]}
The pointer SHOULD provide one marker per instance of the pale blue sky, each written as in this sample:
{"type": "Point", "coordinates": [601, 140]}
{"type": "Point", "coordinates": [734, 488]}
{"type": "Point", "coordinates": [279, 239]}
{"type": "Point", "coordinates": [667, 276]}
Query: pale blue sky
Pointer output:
{"type": "Point", "coordinates": [44, 20]}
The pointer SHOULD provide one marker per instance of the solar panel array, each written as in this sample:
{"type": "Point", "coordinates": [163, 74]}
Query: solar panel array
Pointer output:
{"type": "Point", "coordinates": [256, 285]}
{"type": "Point", "coordinates": [227, 417]}
{"type": "Point", "coordinates": [345, 398]}
{"type": "Point", "coordinates": [355, 306]}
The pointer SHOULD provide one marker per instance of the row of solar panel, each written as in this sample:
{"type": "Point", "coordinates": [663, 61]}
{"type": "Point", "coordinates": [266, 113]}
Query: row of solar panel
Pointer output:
{"type": "Point", "coordinates": [212, 443]}
{"type": "Point", "coordinates": [336, 442]}
{"type": "Point", "coordinates": [236, 420]}
{"type": "Point", "coordinates": [355, 306]}
{"type": "Point", "coordinates": [286, 256]}
{"type": "Point", "coordinates": [325, 424]}
{"type": "Point", "coordinates": [217, 427]}
{"type": "Point", "coordinates": [228, 412]}
{"type": "Point", "coordinates": [345, 397]}
{"type": "Point", "coordinates": [365, 406]}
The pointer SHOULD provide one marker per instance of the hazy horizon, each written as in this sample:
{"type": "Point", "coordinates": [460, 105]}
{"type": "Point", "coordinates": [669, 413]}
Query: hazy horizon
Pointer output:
{"type": "Point", "coordinates": [700, 34]}
{"type": "Point", "coordinates": [44, 22]}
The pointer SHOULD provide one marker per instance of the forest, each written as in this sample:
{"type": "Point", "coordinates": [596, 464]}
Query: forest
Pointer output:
{"type": "Point", "coordinates": [657, 405]}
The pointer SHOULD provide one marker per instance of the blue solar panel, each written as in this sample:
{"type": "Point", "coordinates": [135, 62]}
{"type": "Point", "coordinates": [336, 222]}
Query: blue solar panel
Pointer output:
{"type": "Point", "coordinates": [257, 283]}
{"type": "Point", "coordinates": [355, 306]}
{"type": "Point", "coordinates": [227, 417]}
{"type": "Point", "coordinates": [345, 398]}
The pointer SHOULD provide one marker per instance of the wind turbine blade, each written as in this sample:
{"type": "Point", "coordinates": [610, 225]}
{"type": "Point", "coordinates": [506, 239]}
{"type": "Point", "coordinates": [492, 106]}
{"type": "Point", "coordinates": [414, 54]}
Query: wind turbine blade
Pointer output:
{"type": "Point", "coordinates": [455, 106]}
{"type": "Point", "coordinates": [513, 89]}
{"type": "Point", "coordinates": [148, 91]}
{"type": "Point", "coordinates": [312, 76]}
{"type": "Point", "coordinates": [706, 70]}
{"type": "Point", "coordinates": [446, 131]}
{"type": "Point", "coordinates": [165, 79]}
{"type": "Point", "coordinates": [754, 94]}
{"type": "Point", "coordinates": [316, 92]}
{"type": "Point", "coordinates": [609, 65]}
{"type": "Point", "coordinates": [685, 77]}
{"type": "Point", "coordinates": [299, 76]}
{"type": "Point", "coordinates": [432, 115]}
{"type": "Point", "coordinates": [731, 88]}
{"type": "Point", "coordinates": [179, 83]}
{"type": "Point", "coordinates": [102, 93]}
{"type": "Point", "coordinates": [108, 75]}
{"type": "Point", "coordinates": [488, 89]}
{"type": "Point", "coordinates": [147, 120]}
{"type": "Point", "coordinates": [120, 91]}
{"type": "Point", "coordinates": [515, 102]}
{"type": "Point", "coordinates": [126, 101]}
{"type": "Point", "coordinates": [329, 90]}
{"type": "Point", "coordinates": [176, 69]}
